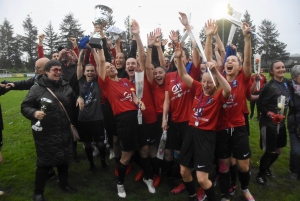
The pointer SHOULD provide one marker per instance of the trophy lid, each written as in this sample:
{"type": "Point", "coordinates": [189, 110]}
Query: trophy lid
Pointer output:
{"type": "Point", "coordinates": [104, 8]}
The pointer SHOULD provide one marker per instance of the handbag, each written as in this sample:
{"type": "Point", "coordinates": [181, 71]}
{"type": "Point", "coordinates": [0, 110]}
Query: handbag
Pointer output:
{"type": "Point", "coordinates": [72, 127]}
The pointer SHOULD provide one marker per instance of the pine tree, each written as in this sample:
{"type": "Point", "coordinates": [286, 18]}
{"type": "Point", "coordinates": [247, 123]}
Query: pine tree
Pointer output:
{"type": "Point", "coordinates": [126, 44]}
{"type": "Point", "coordinates": [272, 49]}
{"type": "Point", "coordinates": [51, 41]}
{"type": "Point", "coordinates": [238, 40]}
{"type": "Point", "coordinates": [10, 55]}
{"type": "Point", "coordinates": [29, 41]}
{"type": "Point", "coordinates": [69, 28]}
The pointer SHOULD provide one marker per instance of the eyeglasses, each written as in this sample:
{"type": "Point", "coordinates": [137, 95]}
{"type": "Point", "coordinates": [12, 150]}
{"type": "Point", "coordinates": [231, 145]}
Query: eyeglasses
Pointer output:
{"type": "Point", "coordinates": [56, 70]}
{"type": "Point", "coordinates": [36, 67]}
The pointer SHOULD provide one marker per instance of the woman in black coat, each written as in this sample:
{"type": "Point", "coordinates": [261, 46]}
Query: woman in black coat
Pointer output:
{"type": "Point", "coordinates": [54, 142]}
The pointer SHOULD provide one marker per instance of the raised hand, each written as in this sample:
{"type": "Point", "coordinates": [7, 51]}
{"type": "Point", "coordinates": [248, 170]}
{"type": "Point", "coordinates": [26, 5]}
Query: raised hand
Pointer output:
{"type": "Point", "coordinates": [173, 36]}
{"type": "Point", "coordinates": [183, 19]}
{"type": "Point", "coordinates": [211, 66]}
{"type": "Point", "coordinates": [135, 28]}
{"type": "Point", "coordinates": [216, 47]}
{"type": "Point", "coordinates": [164, 42]}
{"type": "Point", "coordinates": [151, 38]}
{"type": "Point", "coordinates": [157, 32]}
{"type": "Point", "coordinates": [216, 30]}
{"type": "Point", "coordinates": [73, 41]}
{"type": "Point", "coordinates": [210, 27]}
{"type": "Point", "coordinates": [178, 50]}
{"type": "Point", "coordinates": [233, 46]}
{"type": "Point", "coordinates": [246, 30]}
{"type": "Point", "coordinates": [41, 39]}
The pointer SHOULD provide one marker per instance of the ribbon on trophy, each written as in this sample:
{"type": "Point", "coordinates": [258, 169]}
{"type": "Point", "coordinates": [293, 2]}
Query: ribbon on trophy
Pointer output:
{"type": "Point", "coordinates": [256, 67]}
{"type": "Point", "coordinates": [139, 88]}
{"type": "Point", "coordinates": [115, 33]}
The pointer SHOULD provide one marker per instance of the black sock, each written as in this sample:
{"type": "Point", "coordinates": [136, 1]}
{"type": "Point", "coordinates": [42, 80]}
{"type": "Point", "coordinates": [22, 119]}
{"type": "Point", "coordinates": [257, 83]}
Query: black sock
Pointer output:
{"type": "Point", "coordinates": [233, 174]}
{"type": "Point", "coordinates": [244, 178]}
{"type": "Point", "coordinates": [210, 193]}
{"type": "Point", "coordinates": [190, 188]}
{"type": "Point", "coordinates": [89, 154]}
{"type": "Point", "coordinates": [224, 181]}
{"type": "Point", "coordinates": [168, 169]}
{"type": "Point", "coordinates": [156, 164]}
{"type": "Point", "coordinates": [121, 173]}
{"type": "Point", "coordinates": [274, 158]}
{"type": "Point", "coordinates": [146, 166]}
{"type": "Point", "coordinates": [265, 162]}
{"type": "Point", "coordinates": [117, 160]}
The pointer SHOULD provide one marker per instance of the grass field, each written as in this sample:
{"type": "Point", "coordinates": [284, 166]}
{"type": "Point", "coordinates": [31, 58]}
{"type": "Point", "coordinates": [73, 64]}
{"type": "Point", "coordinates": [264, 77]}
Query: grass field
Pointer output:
{"type": "Point", "coordinates": [18, 168]}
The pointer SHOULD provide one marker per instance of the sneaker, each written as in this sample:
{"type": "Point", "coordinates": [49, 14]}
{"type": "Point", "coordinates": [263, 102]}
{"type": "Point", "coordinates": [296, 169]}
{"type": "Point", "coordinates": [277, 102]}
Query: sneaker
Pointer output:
{"type": "Point", "coordinates": [225, 199]}
{"type": "Point", "coordinates": [95, 152]}
{"type": "Point", "coordinates": [121, 191]}
{"type": "Point", "coordinates": [149, 183]}
{"type": "Point", "coordinates": [129, 168]}
{"type": "Point", "coordinates": [179, 188]}
{"type": "Point", "coordinates": [248, 195]}
{"type": "Point", "coordinates": [200, 194]}
{"type": "Point", "coordinates": [1, 192]}
{"type": "Point", "coordinates": [261, 179]}
{"type": "Point", "coordinates": [293, 176]}
{"type": "Point", "coordinates": [156, 180]}
{"type": "Point", "coordinates": [139, 175]}
{"type": "Point", "coordinates": [232, 190]}
{"type": "Point", "coordinates": [269, 173]}
{"type": "Point", "coordinates": [111, 154]}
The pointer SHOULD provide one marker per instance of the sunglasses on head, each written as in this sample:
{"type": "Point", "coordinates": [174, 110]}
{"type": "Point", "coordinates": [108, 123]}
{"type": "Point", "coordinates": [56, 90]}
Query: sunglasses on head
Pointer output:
{"type": "Point", "coordinates": [56, 70]}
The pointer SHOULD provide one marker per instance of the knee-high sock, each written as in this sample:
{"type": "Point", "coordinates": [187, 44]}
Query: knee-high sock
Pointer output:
{"type": "Point", "coordinates": [146, 165]}
{"type": "Point", "coordinates": [168, 168]}
{"type": "Point", "coordinates": [156, 164]}
{"type": "Point", "coordinates": [190, 187]}
{"type": "Point", "coordinates": [265, 162]}
{"type": "Point", "coordinates": [121, 173]}
{"type": "Point", "coordinates": [211, 194]}
{"type": "Point", "coordinates": [233, 174]}
{"type": "Point", "coordinates": [89, 154]}
{"type": "Point", "coordinates": [224, 181]}
{"type": "Point", "coordinates": [274, 158]}
{"type": "Point", "coordinates": [244, 178]}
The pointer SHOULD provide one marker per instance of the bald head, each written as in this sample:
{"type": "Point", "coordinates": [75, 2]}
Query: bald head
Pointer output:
{"type": "Point", "coordinates": [39, 65]}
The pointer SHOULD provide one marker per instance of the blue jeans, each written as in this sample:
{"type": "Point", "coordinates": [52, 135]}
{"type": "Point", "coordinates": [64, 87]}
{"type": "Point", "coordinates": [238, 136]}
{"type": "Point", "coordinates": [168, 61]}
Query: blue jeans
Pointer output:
{"type": "Point", "coordinates": [294, 153]}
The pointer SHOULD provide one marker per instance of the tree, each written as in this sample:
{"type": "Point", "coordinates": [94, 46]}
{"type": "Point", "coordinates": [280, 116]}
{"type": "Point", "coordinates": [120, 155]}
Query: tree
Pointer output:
{"type": "Point", "coordinates": [10, 47]}
{"type": "Point", "coordinates": [69, 28]}
{"type": "Point", "coordinates": [126, 44]}
{"type": "Point", "coordinates": [51, 40]}
{"type": "Point", "coordinates": [29, 44]}
{"type": "Point", "coordinates": [239, 39]}
{"type": "Point", "coordinates": [272, 49]}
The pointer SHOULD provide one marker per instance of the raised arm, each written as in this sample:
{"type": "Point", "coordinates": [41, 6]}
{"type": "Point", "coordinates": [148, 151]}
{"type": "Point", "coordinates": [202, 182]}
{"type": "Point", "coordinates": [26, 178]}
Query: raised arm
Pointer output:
{"type": "Point", "coordinates": [181, 67]}
{"type": "Point", "coordinates": [166, 108]}
{"type": "Point", "coordinates": [209, 31]}
{"type": "Point", "coordinates": [218, 58]}
{"type": "Point", "coordinates": [247, 49]}
{"type": "Point", "coordinates": [41, 38]}
{"type": "Point", "coordinates": [101, 67]}
{"type": "Point", "coordinates": [135, 30]}
{"type": "Point", "coordinates": [75, 46]}
{"type": "Point", "coordinates": [196, 55]}
{"type": "Point", "coordinates": [80, 64]}
{"type": "Point", "coordinates": [222, 81]}
{"type": "Point", "coordinates": [220, 44]}
{"type": "Point", "coordinates": [157, 44]}
{"type": "Point", "coordinates": [151, 40]}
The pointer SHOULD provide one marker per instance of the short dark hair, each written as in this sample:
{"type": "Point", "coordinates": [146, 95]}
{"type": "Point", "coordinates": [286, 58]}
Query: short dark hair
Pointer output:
{"type": "Point", "coordinates": [51, 63]}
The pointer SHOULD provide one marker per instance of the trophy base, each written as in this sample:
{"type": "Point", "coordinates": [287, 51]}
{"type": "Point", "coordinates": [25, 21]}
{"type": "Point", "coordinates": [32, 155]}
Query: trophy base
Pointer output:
{"type": "Point", "coordinates": [37, 128]}
{"type": "Point", "coordinates": [96, 43]}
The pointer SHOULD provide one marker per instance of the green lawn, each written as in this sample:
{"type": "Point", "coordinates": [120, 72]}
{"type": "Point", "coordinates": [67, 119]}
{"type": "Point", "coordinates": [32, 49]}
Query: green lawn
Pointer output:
{"type": "Point", "coordinates": [18, 168]}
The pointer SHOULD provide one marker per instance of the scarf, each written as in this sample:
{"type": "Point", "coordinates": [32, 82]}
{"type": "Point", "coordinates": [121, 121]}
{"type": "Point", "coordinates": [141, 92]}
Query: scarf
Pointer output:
{"type": "Point", "coordinates": [296, 87]}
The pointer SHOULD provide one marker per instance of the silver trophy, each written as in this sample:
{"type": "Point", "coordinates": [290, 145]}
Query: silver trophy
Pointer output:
{"type": "Point", "coordinates": [44, 102]}
{"type": "Point", "coordinates": [102, 14]}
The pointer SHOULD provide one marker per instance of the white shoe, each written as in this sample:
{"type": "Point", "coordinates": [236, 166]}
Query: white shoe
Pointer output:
{"type": "Point", "coordinates": [149, 183]}
{"type": "Point", "coordinates": [112, 154]}
{"type": "Point", "coordinates": [95, 152]}
{"type": "Point", "coordinates": [248, 195]}
{"type": "Point", "coordinates": [225, 199]}
{"type": "Point", "coordinates": [121, 191]}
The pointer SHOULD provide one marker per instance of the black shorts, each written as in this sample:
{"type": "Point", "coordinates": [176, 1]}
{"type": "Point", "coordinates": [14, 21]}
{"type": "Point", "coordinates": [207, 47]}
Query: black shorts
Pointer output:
{"type": "Point", "coordinates": [270, 140]}
{"type": "Point", "coordinates": [109, 120]}
{"type": "Point", "coordinates": [233, 141]}
{"type": "Point", "coordinates": [246, 116]}
{"type": "Point", "coordinates": [175, 134]}
{"type": "Point", "coordinates": [198, 149]}
{"type": "Point", "coordinates": [91, 131]}
{"type": "Point", "coordinates": [127, 129]}
{"type": "Point", "coordinates": [149, 134]}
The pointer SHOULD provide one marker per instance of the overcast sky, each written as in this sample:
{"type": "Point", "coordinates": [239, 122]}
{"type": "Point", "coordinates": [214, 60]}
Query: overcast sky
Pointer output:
{"type": "Point", "coordinates": [156, 13]}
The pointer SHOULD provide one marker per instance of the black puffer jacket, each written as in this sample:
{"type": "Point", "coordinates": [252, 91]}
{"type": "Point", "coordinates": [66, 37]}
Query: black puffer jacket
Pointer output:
{"type": "Point", "coordinates": [54, 143]}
